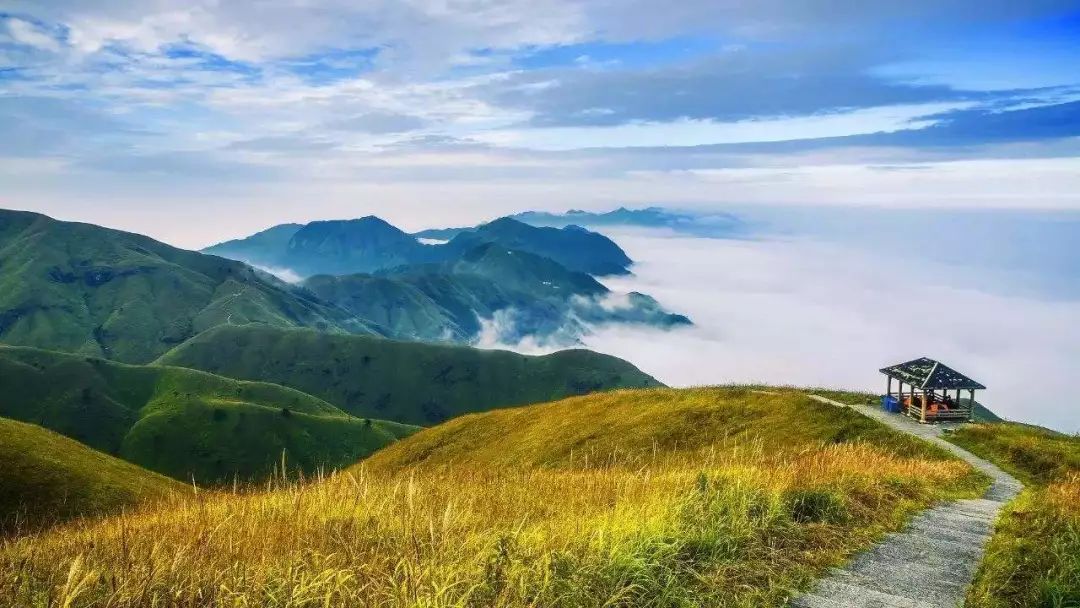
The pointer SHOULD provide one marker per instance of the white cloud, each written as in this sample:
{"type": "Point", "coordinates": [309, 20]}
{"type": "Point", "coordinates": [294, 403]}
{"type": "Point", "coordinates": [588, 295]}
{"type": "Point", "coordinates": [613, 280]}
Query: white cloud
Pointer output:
{"type": "Point", "coordinates": [285, 274]}
{"type": "Point", "coordinates": [687, 132]}
{"type": "Point", "coordinates": [25, 32]}
{"type": "Point", "coordinates": [818, 314]}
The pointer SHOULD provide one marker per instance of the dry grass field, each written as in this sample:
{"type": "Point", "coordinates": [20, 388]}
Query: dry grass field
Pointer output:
{"type": "Point", "coordinates": [703, 497]}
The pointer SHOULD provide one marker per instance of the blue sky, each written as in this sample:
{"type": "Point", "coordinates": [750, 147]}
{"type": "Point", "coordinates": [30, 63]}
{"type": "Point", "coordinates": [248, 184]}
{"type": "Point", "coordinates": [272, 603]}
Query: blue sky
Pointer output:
{"type": "Point", "coordinates": [153, 115]}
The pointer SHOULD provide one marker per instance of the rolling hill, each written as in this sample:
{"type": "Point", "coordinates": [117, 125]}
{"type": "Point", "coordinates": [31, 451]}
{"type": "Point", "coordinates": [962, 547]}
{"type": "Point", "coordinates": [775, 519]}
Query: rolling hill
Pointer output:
{"type": "Point", "coordinates": [406, 382]}
{"type": "Point", "coordinates": [180, 422]}
{"type": "Point", "coordinates": [105, 293]}
{"type": "Point", "coordinates": [627, 426]}
{"type": "Point", "coordinates": [46, 478]}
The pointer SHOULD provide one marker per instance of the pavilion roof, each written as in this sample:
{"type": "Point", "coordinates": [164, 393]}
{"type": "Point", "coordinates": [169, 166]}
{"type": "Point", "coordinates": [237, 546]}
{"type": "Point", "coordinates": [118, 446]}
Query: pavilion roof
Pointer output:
{"type": "Point", "coordinates": [928, 374]}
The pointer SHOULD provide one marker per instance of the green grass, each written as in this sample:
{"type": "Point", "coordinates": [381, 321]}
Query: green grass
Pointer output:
{"type": "Point", "coordinates": [407, 382]}
{"type": "Point", "coordinates": [94, 291]}
{"type": "Point", "coordinates": [1035, 455]}
{"type": "Point", "coordinates": [183, 423]}
{"type": "Point", "coordinates": [1033, 558]}
{"type": "Point", "coordinates": [46, 478]}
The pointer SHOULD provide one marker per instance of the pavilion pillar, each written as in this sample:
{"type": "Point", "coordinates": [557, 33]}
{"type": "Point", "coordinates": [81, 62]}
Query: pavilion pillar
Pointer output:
{"type": "Point", "coordinates": [922, 402]}
{"type": "Point", "coordinates": [888, 386]}
{"type": "Point", "coordinates": [971, 404]}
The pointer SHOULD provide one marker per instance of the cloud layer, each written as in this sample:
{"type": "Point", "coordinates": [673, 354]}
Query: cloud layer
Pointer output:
{"type": "Point", "coordinates": [817, 313]}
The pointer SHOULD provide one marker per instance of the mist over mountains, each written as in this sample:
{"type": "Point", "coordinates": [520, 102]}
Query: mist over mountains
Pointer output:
{"type": "Point", "coordinates": [502, 282]}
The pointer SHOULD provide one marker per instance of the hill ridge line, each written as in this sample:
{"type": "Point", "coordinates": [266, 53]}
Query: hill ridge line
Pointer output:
{"type": "Point", "coordinates": [931, 563]}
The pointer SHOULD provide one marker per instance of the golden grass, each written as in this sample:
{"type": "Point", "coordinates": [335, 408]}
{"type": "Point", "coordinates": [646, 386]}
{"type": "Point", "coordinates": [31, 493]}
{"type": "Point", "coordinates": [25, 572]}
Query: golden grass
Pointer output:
{"type": "Point", "coordinates": [729, 520]}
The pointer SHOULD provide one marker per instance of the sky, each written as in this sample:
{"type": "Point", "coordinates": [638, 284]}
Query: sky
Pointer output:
{"type": "Point", "coordinates": [201, 120]}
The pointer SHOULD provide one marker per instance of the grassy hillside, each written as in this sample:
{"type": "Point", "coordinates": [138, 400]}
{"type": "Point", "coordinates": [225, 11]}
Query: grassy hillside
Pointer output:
{"type": "Point", "coordinates": [47, 477]}
{"type": "Point", "coordinates": [697, 498]}
{"type": "Point", "coordinates": [1034, 557]}
{"type": "Point", "coordinates": [181, 422]}
{"type": "Point", "coordinates": [407, 382]}
{"type": "Point", "coordinates": [94, 291]}
{"type": "Point", "coordinates": [632, 426]}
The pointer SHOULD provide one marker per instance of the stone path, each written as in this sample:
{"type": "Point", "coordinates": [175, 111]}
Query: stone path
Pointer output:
{"type": "Point", "coordinates": [931, 563]}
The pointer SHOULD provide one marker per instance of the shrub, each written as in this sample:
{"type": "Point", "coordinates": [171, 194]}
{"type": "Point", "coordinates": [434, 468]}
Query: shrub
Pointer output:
{"type": "Point", "coordinates": [816, 506]}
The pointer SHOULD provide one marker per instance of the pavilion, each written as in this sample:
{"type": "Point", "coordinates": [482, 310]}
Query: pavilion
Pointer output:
{"type": "Point", "coordinates": [930, 391]}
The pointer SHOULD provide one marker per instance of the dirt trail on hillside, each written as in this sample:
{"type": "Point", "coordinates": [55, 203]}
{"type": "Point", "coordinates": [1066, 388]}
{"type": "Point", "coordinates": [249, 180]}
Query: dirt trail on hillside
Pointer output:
{"type": "Point", "coordinates": [929, 564]}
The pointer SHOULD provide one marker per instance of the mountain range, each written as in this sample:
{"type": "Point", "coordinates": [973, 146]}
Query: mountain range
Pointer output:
{"type": "Point", "coordinates": [711, 225]}
{"type": "Point", "coordinates": [371, 244]}
{"type": "Point", "coordinates": [199, 367]}
{"type": "Point", "coordinates": [82, 288]}
{"type": "Point", "coordinates": [504, 281]}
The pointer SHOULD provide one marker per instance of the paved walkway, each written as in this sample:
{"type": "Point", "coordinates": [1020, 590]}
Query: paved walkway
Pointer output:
{"type": "Point", "coordinates": [932, 562]}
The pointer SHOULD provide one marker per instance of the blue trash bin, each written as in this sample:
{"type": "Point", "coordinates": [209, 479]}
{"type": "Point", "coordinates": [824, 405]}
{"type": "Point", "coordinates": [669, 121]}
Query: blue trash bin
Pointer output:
{"type": "Point", "coordinates": [890, 404]}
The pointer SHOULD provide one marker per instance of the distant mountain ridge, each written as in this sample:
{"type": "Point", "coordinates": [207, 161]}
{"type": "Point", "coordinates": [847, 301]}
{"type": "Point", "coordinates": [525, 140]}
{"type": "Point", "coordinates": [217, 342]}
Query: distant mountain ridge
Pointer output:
{"type": "Point", "coordinates": [710, 225]}
{"type": "Point", "coordinates": [369, 244]}
{"type": "Point", "coordinates": [506, 278]}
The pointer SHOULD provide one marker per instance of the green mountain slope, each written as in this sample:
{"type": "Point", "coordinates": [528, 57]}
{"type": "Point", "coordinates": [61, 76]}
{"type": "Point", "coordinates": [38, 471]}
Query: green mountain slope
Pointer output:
{"type": "Point", "coordinates": [407, 382]}
{"type": "Point", "coordinates": [91, 290]}
{"type": "Point", "coordinates": [181, 422]}
{"type": "Point", "coordinates": [532, 296]}
{"type": "Point", "coordinates": [47, 477]}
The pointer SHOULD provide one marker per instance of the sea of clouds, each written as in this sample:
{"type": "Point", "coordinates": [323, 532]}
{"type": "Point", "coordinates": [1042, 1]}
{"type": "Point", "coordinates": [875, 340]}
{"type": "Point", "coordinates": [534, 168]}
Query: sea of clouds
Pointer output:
{"type": "Point", "coordinates": [817, 310]}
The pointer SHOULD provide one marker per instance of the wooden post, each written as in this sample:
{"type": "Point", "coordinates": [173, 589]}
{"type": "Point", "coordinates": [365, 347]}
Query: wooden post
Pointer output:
{"type": "Point", "coordinates": [922, 402]}
{"type": "Point", "coordinates": [888, 386]}
{"type": "Point", "coordinates": [971, 412]}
